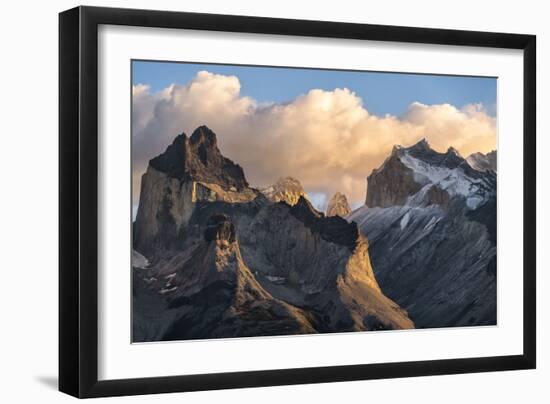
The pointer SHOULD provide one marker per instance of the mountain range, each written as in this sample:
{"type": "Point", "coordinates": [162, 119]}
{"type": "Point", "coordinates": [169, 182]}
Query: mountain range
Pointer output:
{"type": "Point", "coordinates": [214, 257]}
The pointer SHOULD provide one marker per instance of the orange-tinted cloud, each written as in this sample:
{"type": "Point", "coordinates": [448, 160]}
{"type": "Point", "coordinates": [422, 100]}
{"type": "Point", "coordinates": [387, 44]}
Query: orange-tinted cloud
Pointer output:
{"type": "Point", "coordinates": [326, 139]}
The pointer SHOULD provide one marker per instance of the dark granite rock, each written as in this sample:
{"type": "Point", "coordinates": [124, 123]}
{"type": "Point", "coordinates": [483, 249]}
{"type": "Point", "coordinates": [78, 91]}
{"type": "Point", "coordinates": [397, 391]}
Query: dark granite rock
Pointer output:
{"type": "Point", "coordinates": [198, 158]}
{"type": "Point", "coordinates": [219, 227]}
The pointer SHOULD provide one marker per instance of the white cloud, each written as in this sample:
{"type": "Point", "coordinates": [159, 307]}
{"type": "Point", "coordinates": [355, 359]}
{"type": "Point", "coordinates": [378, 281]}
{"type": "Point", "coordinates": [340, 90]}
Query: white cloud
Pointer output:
{"type": "Point", "coordinates": [326, 139]}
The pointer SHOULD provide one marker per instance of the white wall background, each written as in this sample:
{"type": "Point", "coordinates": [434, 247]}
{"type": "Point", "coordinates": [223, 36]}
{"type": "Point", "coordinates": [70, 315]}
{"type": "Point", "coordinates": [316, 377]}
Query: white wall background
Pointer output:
{"type": "Point", "coordinates": [28, 202]}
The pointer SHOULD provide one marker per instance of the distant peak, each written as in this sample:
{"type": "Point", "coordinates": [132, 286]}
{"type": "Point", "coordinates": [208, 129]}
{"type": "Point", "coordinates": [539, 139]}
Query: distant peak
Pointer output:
{"type": "Point", "coordinates": [287, 189]}
{"type": "Point", "coordinates": [288, 181]}
{"type": "Point", "coordinates": [421, 145]}
{"type": "Point", "coordinates": [338, 205]}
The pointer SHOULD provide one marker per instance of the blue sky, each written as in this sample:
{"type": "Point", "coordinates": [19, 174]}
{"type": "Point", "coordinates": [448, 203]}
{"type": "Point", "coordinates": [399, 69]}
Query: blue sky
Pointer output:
{"type": "Point", "coordinates": [382, 93]}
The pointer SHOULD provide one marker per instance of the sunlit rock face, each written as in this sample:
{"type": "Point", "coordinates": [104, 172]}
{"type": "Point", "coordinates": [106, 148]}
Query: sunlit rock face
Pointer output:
{"type": "Point", "coordinates": [483, 162]}
{"type": "Point", "coordinates": [191, 170]}
{"type": "Point", "coordinates": [430, 219]}
{"type": "Point", "coordinates": [216, 258]}
{"type": "Point", "coordinates": [286, 189]}
{"type": "Point", "coordinates": [338, 205]}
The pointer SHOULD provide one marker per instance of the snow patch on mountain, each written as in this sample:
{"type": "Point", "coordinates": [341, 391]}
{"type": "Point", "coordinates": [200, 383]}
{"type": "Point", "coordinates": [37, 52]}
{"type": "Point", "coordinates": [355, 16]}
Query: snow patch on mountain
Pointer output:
{"type": "Point", "coordinates": [453, 180]}
{"type": "Point", "coordinates": [139, 261]}
{"type": "Point", "coordinates": [405, 220]}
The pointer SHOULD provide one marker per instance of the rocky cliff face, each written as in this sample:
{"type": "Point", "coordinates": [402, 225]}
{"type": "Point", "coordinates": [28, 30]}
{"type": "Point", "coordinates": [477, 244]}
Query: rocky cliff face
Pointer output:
{"type": "Point", "coordinates": [431, 222]}
{"type": "Point", "coordinates": [391, 184]}
{"type": "Point", "coordinates": [211, 293]}
{"type": "Point", "coordinates": [189, 171]}
{"type": "Point", "coordinates": [338, 205]}
{"type": "Point", "coordinates": [216, 258]}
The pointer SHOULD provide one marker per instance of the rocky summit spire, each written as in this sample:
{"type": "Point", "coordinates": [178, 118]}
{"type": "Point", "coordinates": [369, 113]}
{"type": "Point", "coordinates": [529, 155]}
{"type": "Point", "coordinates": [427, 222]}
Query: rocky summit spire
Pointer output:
{"type": "Point", "coordinates": [286, 189]}
{"type": "Point", "coordinates": [191, 170]}
{"type": "Point", "coordinates": [198, 158]}
{"type": "Point", "coordinates": [204, 135]}
{"type": "Point", "coordinates": [338, 205]}
{"type": "Point", "coordinates": [422, 144]}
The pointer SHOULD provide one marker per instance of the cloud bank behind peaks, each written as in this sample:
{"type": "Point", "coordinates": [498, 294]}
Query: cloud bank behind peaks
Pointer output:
{"type": "Point", "coordinates": [326, 139]}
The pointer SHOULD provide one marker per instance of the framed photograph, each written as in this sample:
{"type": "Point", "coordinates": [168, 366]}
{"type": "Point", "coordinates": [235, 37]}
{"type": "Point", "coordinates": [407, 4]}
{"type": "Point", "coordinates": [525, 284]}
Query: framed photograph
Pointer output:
{"type": "Point", "coordinates": [251, 201]}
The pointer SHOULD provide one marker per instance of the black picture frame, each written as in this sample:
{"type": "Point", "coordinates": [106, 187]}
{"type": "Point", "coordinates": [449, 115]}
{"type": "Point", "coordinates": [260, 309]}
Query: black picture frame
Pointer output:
{"type": "Point", "coordinates": [78, 200]}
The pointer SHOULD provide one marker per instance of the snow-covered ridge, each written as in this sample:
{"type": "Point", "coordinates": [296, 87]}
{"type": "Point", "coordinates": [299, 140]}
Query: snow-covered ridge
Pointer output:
{"type": "Point", "coordinates": [453, 180]}
{"type": "Point", "coordinates": [483, 162]}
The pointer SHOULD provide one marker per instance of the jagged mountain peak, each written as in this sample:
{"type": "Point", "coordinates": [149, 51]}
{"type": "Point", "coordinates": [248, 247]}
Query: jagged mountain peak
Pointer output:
{"type": "Point", "coordinates": [172, 161]}
{"type": "Point", "coordinates": [338, 205]}
{"type": "Point", "coordinates": [452, 150]}
{"type": "Point", "coordinates": [203, 134]}
{"type": "Point", "coordinates": [424, 152]}
{"type": "Point", "coordinates": [419, 175]}
{"type": "Point", "coordinates": [198, 158]}
{"type": "Point", "coordinates": [422, 144]}
{"type": "Point", "coordinates": [287, 189]}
